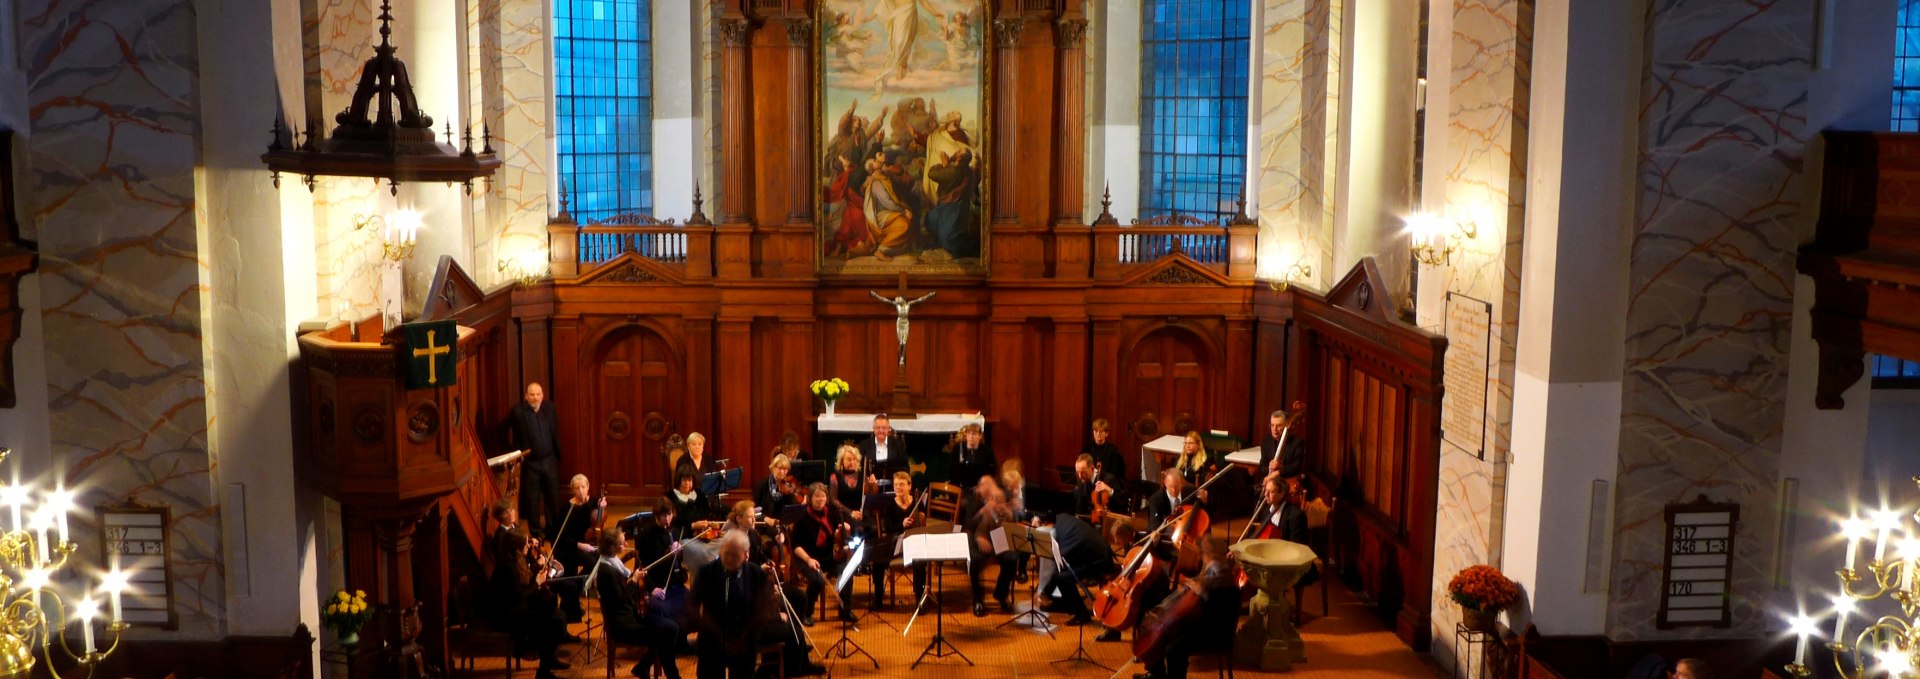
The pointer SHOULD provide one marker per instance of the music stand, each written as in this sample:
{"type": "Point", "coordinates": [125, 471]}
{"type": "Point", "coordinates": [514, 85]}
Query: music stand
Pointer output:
{"type": "Point", "coordinates": [809, 472]}
{"type": "Point", "coordinates": [846, 647]}
{"type": "Point", "coordinates": [1023, 538]}
{"type": "Point", "coordinates": [936, 547]}
{"type": "Point", "coordinates": [1086, 595]}
{"type": "Point", "coordinates": [882, 565]}
{"type": "Point", "coordinates": [716, 483]}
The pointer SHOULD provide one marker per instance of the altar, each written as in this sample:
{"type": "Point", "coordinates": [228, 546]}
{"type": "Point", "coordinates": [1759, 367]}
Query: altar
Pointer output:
{"type": "Point", "coordinates": [1159, 452]}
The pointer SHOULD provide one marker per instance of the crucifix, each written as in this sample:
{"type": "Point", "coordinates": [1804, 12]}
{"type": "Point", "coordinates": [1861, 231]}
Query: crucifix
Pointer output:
{"type": "Point", "coordinates": [901, 306]}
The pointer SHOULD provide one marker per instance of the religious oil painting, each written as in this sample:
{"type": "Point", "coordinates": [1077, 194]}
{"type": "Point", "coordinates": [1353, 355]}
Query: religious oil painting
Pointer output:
{"type": "Point", "coordinates": [901, 114]}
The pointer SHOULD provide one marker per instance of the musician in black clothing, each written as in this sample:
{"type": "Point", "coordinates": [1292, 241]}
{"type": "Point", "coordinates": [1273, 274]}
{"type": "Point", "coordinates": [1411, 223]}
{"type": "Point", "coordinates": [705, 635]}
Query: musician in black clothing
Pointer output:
{"type": "Point", "coordinates": [578, 515]}
{"type": "Point", "coordinates": [1089, 559]}
{"type": "Point", "coordinates": [533, 426]}
{"type": "Point", "coordinates": [1197, 461]}
{"type": "Point", "coordinates": [633, 613]}
{"type": "Point", "coordinates": [1289, 462]}
{"type": "Point", "coordinates": [884, 453]}
{"type": "Point", "coordinates": [972, 458]}
{"type": "Point", "coordinates": [899, 512]}
{"type": "Point", "coordinates": [813, 542]}
{"type": "Point", "coordinates": [1283, 516]}
{"type": "Point", "coordinates": [1091, 483]}
{"type": "Point", "coordinates": [655, 539]}
{"type": "Point", "coordinates": [989, 508]}
{"type": "Point", "coordinates": [689, 504]}
{"type": "Point", "coordinates": [849, 486]}
{"type": "Point", "coordinates": [518, 605]}
{"type": "Point", "coordinates": [732, 605]}
{"type": "Point", "coordinates": [779, 490]}
{"type": "Point", "coordinates": [1160, 507]}
{"type": "Point", "coordinates": [1106, 456]}
{"type": "Point", "coordinates": [1210, 626]}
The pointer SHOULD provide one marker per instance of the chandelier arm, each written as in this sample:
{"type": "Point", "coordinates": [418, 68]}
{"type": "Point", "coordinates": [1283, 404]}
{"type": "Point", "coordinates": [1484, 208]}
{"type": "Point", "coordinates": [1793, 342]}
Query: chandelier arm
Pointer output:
{"type": "Point", "coordinates": [1848, 576]}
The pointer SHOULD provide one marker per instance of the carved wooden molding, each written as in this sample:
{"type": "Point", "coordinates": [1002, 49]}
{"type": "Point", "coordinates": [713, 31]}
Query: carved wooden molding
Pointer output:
{"type": "Point", "coordinates": [1007, 31]}
{"type": "Point", "coordinates": [1175, 275]}
{"type": "Point", "coordinates": [1173, 220]}
{"type": "Point", "coordinates": [734, 32]}
{"type": "Point", "coordinates": [799, 32]}
{"type": "Point", "coordinates": [631, 273]}
{"type": "Point", "coordinates": [632, 219]}
{"type": "Point", "coordinates": [1069, 33]}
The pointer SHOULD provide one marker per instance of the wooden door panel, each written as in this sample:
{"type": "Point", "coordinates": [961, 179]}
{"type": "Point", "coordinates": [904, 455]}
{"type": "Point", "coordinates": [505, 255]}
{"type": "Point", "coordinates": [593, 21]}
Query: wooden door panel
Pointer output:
{"type": "Point", "coordinates": [1166, 382]}
{"type": "Point", "coordinates": [634, 410]}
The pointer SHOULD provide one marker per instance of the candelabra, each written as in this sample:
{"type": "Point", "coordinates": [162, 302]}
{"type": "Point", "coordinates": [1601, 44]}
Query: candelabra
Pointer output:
{"type": "Point", "coordinates": [28, 560]}
{"type": "Point", "coordinates": [398, 232]}
{"type": "Point", "coordinates": [520, 272]}
{"type": "Point", "coordinates": [1434, 239]}
{"type": "Point", "coordinates": [1888, 645]}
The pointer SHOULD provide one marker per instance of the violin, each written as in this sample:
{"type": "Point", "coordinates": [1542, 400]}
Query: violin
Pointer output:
{"type": "Point", "coordinates": [1100, 497]}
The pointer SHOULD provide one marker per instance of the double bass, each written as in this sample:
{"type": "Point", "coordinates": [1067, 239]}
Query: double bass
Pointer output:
{"type": "Point", "coordinates": [1286, 426]}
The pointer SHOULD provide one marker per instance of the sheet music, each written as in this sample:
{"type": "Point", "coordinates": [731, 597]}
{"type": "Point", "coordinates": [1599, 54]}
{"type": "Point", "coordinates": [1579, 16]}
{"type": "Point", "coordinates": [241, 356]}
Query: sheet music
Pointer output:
{"type": "Point", "coordinates": [936, 547]}
{"type": "Point", "coordinates": [999, 536]}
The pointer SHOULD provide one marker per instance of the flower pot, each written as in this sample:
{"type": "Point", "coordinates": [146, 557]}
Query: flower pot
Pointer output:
{"type": "Point", "coordinates": [350, 638]}
{"type": "Point", "coordinates": [830, 407]}
{"type": "Point", "coordinates": [1484, 621]}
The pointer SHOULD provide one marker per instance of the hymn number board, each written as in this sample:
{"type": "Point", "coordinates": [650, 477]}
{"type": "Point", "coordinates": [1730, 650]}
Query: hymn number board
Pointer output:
{"type": "Point", "coordinates": [1699, 568]}
{"type": "Point", "coordinates": [138, 539]}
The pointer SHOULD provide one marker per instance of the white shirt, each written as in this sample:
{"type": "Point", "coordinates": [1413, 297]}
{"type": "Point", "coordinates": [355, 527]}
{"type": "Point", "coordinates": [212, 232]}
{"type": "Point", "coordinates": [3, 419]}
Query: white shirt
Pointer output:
{"type": "Point", "coordinates": [880, 449]}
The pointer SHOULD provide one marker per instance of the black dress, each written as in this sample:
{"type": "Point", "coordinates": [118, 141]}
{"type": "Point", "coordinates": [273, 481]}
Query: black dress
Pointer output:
{"type": "Point", "coordinates": [687, 510]}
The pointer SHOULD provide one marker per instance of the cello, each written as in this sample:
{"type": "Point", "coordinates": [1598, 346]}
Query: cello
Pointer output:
{"type": "Point", "coordinates": [1286, 426]}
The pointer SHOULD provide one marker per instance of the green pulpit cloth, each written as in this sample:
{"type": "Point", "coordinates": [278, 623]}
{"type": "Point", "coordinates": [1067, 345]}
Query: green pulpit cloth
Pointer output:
{"type": "Point", "coordinates": [431, 354]}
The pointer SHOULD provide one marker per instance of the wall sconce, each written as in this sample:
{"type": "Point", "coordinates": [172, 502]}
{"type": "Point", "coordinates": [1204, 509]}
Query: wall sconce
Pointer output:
{"type": "Point", "coordinates": [1295, 273]}
{"type": "Point", "coordinates": [1434, 238]}
{"type": "Point", "coordinates": [399, 232]}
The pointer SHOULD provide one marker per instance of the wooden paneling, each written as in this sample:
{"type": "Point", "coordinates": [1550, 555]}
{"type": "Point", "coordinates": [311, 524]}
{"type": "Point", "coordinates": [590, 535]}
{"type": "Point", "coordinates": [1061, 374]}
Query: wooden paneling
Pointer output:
{"type": "Point", "coordinates": [1371, 384]}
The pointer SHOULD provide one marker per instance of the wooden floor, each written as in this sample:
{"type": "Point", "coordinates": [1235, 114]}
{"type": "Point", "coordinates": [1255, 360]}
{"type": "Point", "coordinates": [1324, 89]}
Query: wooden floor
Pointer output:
{"type": "Point", "coordinates": [1349, 642]}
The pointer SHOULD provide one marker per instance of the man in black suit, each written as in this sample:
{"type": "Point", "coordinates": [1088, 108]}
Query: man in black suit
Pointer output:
{"type": "Point", "coordinates": [732, 604]}
{"type": "Point", "coordinates": [1161, 505]}
{"type": "Point", "coordinates": [884, 453]}
{"type": "Point", "coordinates": [1289, 462]}
{"type": "Point", "coordinates": [1284, 517]}
{"type": "Point", "coordinates": [1088, 559]}
{"type": "Point", "coordinates": [1090, 484]}
{"type": "Point", "coordinates": [972, 458]}
{"type": "Point", "coordinates": [536, 428]}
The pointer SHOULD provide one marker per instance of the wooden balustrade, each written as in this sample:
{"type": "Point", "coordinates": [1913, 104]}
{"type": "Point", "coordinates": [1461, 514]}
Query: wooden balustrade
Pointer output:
{"type": "Point", "coordinates": [1228, 250]}
{"type": "Point", "coordinates": [575, 248]}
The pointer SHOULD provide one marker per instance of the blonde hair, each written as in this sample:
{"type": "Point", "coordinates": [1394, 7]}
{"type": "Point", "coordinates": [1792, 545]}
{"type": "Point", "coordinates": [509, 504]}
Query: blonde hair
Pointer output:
{"type": "Point", "coordinates": [846, 451]}
{"type": "Point", "coordinates": [696, 436]}
{"type": "Point", "coordinates": [578, 478]}
{"type": "Point", "coordinates": [1100, 424]}
{"type": "Point", "coordinates": [971, 429]}
{"type": "Point", "coordinates": [901, 476]}
{"type": "Point", "coordinates": [780, 462]}
{"type": "Point", "coordinates": [742, 512]}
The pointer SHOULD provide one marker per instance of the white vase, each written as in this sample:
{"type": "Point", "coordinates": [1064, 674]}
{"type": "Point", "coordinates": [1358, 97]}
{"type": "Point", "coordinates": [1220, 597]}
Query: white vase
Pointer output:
{"type": "Point", "coordinates": [830, 407]}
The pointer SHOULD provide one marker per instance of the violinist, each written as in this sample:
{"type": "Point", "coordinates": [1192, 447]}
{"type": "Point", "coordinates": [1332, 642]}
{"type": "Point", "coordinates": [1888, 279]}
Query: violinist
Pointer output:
{"type": "Point", "coordinates": [790, 447]}
{"type": "Point", "coordinates": [761, 535]}
{"type": "Point", "coordinates": [814, 539]}
{"type": "Point", "coordinates": [689, 504]}
{"type": "Point", "coordinates": [518, 605]}
{"type": "Point", "coordinates": [622, 593]}
{"type": "Point", "coordinates": [849, 489]}
{"type": "Point", "coordinates": [990, 508]}
{"type": "Point", "coordinates": [972, 458]}
{"type": "Point", "coordinates": [1106, 455]}
{"type": "Point", "coordinates": [884, 452]}
{"type": "Point", "coordinates": [1195, 627]}
{"type": "Point", "coordinates": [780, 489]}
{"type": "Point", "coordinates": [1092, 481]}
{"type": "Point", "coordinates": [571, 545]}
{"type": "Point", "coordinates": [653, 541]}
{"type": "Point", "coordinates": [903, 512]}
{"type": "Point", "coordinates": [1198, 462]}
{"type": "Point", "coordinates": [1015, 486]}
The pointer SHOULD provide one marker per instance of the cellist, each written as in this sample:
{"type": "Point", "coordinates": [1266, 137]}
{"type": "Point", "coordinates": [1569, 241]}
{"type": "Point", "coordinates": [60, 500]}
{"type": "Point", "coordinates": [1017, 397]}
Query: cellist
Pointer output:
{"type": "Point", "coordinates": [1162, 506]}
{"type": "Point", "coordinates": [1284, 516]}
{"type": "Point", "coordinates": [813, 540]}
{"type": "Point", "coordinates": [1186, 629]}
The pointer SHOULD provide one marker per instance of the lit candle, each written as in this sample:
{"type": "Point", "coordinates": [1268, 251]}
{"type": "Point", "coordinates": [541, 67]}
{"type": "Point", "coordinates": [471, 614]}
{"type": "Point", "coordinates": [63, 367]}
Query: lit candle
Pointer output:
{"type": "Point", "coordinates": [1887, 520]}
{"type": "Point", "coordinates": [1853, 529]}
{"type": "Point", "coordinates": [1802, 626]}
{"type": "Point", "coordinates": [116, 582]}
{"type": "Point", "coordinates": [15, 496]}
{"type": "Point", "coordinates": [1842, 606]}
{"type": "Point", "coordinates": [62, 504]}
{"type": "Point", "coordinates": [87, 624]}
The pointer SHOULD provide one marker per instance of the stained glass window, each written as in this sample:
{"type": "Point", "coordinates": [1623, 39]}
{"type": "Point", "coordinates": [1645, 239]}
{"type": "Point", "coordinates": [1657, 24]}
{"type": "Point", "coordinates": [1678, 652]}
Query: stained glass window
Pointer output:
{"type": "Point", "coordinates": [1891, 372]}
{"type": "Point", "coordinates": [603, 104]}
{"type": "Point", "coordinates": [1906, 67]}
{"type": "Point", "coordinates": [1193, 107]}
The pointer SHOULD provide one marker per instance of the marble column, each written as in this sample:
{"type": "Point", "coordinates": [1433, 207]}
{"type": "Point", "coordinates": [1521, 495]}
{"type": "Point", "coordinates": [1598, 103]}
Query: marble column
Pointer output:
{"type": "Point", "coordinates": [514, 41]}
{"type": "Point", "coordinates": [1293, 38]}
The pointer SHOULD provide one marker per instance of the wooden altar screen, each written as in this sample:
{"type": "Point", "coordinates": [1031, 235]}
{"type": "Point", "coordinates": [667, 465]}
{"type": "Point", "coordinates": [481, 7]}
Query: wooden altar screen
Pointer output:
{"type": "Point", "coordinates": [1372, 385]}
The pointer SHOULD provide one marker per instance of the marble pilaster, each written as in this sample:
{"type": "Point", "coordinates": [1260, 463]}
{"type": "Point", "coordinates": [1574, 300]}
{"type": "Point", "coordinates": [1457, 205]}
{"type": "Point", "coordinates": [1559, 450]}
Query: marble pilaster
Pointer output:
{"type": "Point", "coordinates": [1294, 226]}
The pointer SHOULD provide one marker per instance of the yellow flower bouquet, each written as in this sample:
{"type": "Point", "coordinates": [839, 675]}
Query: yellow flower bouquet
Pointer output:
{"type": "Point", "coordinates": [344, 613]}
{"type": "Point", "coordinates": [830, 390]}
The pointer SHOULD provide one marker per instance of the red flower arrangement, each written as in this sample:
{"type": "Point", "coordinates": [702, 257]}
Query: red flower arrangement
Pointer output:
{"type": "Point", "coordinates": [1482, 588]}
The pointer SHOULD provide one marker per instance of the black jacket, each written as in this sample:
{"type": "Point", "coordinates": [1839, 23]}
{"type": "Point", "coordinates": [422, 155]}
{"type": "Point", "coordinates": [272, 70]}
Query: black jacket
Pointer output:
{"type": "Point", "coordinates": [618, 596]}
{"type": "Point", "coordinates": [763, 497]}
{"type": "Point", "coordinates": [537, 432]}
{"type": "Point", "coordinates": [896, 455]}
{"type": "Point", "coordinates": [650, 543]}
{"type": "Point", "coordinates": [1159, 507]}
{"type": "Point", "coordinates": [971, 464]}
{"type": "Point", "coordinates": [1083, 493]}
{"type": "Point", "coordinates": [1292, 460]}
{"type": "Point", "coordinates": [1108, 457]}
{"type": "Point", "coordinates": [729, 617]}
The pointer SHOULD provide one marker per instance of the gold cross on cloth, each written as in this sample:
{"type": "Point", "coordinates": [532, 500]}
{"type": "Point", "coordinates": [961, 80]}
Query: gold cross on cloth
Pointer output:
{"type": "Point", "coordinates": [431, 353]}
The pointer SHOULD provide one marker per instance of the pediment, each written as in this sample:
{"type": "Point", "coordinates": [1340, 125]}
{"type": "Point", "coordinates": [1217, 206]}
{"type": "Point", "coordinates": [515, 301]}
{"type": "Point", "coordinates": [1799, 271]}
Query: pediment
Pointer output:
{"type": "Point", "coordinates": [1177, 270]}
{"type": "Point", "coordinates": [1364, 291]}
{"type": "Point", "coordinates": [632, 269]}
{"type": "Point", "coordinates": [452, 291]}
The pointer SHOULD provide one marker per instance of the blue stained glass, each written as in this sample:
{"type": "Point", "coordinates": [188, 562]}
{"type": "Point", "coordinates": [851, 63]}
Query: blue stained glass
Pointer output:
{"type": "Point", "coordinates": [603, 60]}
{"type": "Point", "coordinates": [1906, 71]}
{"type": "Point", "coordinates": [1193, 122]}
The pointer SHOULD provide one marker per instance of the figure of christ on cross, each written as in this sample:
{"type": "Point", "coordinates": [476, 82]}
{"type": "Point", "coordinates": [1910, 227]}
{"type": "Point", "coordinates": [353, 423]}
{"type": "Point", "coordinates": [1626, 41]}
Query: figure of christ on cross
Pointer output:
{"type": "Point", "coordinates": [901, 306]}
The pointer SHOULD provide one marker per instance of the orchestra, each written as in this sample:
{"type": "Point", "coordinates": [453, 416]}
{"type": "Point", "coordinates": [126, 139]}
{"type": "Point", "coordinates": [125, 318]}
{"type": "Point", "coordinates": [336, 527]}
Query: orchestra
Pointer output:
{"type": "Point", "coordinates": [683, 578]}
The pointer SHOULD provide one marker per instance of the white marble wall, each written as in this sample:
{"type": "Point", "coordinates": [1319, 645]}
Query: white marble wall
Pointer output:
{"type": "Point", "coordinates": [1295, 227]}
{"type": "Point", "coordinates": [1722, 149]}
{"type": "Point", "coordinates": [1475, 174]}
{"type": "Point", "coordinates": [515, 56]}
{"type": "Point", "coordinates": [115, 118]}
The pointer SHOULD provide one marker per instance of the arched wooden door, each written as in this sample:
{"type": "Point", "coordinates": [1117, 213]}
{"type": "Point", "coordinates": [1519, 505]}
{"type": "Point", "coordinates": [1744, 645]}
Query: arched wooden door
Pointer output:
{"type": "Point", "coordinates": [1165, 384]}
{"type": "Point", "coordinates": [635, 408]}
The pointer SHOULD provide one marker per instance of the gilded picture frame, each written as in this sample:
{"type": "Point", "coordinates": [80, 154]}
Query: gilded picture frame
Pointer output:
{"type": "Point", "coordinates": [902, 119]}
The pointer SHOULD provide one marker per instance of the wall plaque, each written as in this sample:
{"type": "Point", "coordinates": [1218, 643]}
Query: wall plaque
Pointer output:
{"type": "Point", "coordinates": [138, 539]}
{"type": "Point", "coordinates": [1699, 564]}
{"type": "Point", "coordinates": [1463, 409]}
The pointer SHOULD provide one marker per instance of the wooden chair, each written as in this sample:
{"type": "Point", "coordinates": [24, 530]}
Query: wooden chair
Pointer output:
{"type": "Point", "coordinates": [468, 635]}
{"type": "Point", "coordinates": [943, 501]}
{"type": "Point", "coordinates": [1319, 511]}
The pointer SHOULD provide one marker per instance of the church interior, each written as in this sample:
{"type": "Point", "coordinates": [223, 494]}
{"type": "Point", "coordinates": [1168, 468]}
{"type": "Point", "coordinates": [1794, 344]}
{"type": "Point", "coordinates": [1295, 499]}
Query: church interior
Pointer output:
{"type": "Point", "coordinates": [1103, 338]}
